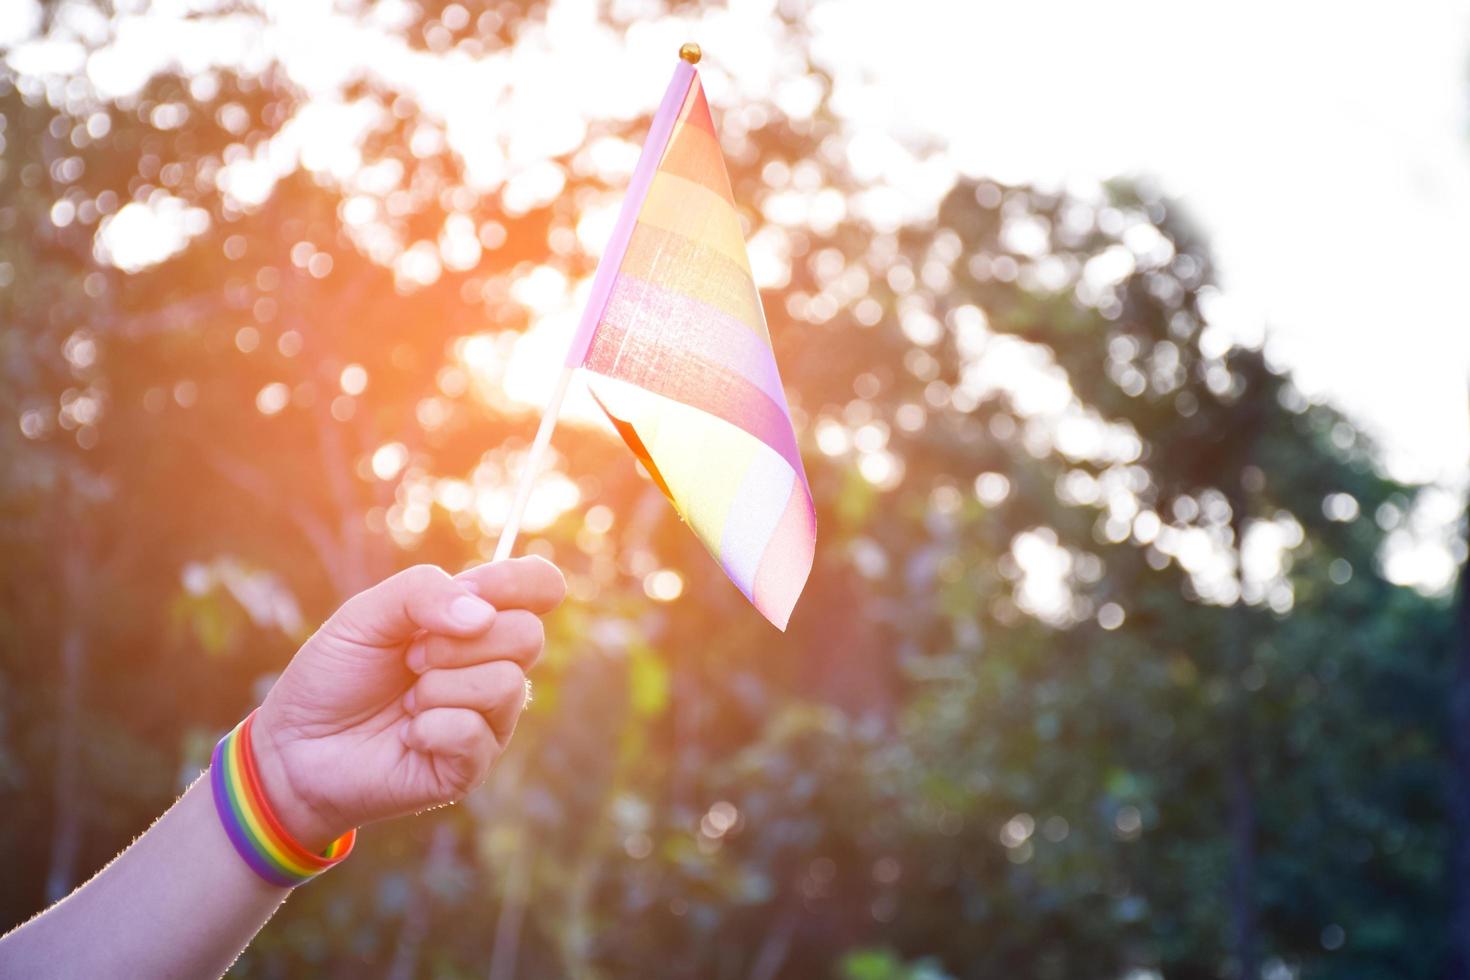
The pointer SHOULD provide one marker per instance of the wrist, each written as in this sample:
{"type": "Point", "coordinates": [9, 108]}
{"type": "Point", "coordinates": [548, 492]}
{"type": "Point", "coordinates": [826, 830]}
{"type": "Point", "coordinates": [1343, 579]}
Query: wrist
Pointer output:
{"type": "Point", "coordinates": [256, 831]}
{"type": "Point", "coordinates": [300, 816]}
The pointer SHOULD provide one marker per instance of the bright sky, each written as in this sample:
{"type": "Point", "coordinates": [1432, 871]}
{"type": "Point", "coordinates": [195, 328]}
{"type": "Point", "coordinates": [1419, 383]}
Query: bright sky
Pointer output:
{"type": "Point", "coordinates": [1324, 148]}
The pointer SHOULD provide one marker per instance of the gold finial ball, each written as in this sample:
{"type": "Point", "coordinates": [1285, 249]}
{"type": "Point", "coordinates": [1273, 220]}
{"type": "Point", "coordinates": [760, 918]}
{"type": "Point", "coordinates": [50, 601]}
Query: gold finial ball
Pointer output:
{"type": "Point", "coordinates": [690, 53]}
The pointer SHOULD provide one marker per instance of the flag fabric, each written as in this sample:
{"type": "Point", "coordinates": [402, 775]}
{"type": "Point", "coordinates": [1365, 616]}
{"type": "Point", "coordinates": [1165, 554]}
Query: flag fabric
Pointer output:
{"type": "Point", "coordinates": [676, 342]}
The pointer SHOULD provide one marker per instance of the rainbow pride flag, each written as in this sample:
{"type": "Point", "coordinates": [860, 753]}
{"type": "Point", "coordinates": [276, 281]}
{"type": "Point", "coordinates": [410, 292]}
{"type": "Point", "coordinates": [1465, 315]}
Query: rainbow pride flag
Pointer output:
{"type": "Point", "coordinates": [676, 341]}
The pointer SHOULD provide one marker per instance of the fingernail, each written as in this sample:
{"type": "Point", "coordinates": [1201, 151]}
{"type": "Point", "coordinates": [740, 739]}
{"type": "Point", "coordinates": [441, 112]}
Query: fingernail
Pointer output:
{"type": "Point", "coordinates": [418, 656]}
{"type": "Point", "coordinates": [408, 701]}
{"type": "Point", "coordinates": [470, 613]}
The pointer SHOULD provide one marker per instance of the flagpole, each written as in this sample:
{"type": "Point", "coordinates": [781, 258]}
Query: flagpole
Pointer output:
{"type": "Point", "coordinates": [532, 467]}
{"type": "Point", "coordinates": [602, 283]}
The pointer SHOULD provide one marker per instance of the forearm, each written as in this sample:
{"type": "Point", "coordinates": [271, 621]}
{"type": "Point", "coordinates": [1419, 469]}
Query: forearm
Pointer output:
{"type": "Point", "coordinates": [400, 702]}
{"type": "Point", "coordinates": [178, 903]}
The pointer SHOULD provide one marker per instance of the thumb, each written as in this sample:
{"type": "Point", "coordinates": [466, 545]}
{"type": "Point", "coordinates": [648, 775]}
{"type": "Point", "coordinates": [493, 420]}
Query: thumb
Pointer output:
{"type": "Point", "coordinates": [420, 598]}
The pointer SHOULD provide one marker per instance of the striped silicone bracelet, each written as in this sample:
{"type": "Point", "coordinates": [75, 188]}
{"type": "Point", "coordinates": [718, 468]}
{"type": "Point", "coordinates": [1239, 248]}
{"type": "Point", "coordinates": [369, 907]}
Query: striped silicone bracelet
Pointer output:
{"type": "Point", "coordinates": [253, 829]}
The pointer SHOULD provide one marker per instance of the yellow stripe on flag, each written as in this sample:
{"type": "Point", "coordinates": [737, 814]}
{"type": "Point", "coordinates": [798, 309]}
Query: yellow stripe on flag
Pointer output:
{"type": "Point", "coordinates": [696, 212]}
{"type": "Point", "coordinates": [702, 458]}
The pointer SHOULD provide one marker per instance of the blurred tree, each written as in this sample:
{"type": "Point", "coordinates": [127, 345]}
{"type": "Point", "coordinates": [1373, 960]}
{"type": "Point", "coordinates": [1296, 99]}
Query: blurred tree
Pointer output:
{"type": "Point", "coordinates": [54, 492]}
{"type": "Point", "coordinates": [1096, 656]}
{"type": "Point", "coordinates": [1459, 782]}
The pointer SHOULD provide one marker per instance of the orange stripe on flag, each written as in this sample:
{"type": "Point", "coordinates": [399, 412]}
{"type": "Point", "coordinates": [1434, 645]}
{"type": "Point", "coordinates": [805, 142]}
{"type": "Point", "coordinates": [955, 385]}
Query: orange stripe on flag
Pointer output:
{"type": "Point", "coordinates": [694, 155]}
{"type": "Point", "coordinates": [695, 111]}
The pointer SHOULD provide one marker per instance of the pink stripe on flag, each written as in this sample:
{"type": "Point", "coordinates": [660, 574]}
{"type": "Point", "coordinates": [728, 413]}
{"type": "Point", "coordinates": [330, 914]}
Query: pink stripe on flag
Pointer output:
{"type": "Point", "coordinates": [693, 381]}
{"type": "Point", "coordinates": [788, 559]}
{"type": "Point", "coordinates": [649, 316]}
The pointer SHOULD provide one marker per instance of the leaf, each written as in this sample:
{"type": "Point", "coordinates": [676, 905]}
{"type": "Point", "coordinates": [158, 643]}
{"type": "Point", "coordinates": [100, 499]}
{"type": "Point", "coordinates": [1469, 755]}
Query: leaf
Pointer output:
{"type": "Point", "coordinates": [648, 681]}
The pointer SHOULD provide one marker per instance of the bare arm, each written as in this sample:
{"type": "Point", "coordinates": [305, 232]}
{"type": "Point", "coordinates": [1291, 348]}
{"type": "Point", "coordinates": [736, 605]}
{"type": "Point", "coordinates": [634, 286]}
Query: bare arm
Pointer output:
{"type": "Point", "coordinates": [402, 701]}
{"type": "Point", "coordinates": [178, 903]}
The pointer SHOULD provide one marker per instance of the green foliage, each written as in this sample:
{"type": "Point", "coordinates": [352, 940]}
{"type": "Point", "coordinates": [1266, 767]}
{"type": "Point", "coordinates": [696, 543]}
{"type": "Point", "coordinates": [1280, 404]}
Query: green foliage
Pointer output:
{"type": "Point", "coordinates": [943, 769]}
{"type": "Point", "coordinates": [883, 964]}
{"type": "Point", "coordinates": [648, 680]}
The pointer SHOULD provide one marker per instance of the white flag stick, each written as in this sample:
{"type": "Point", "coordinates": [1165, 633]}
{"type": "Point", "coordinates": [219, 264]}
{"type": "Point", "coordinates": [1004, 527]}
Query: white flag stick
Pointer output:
{"type": "Point", "coordinates": [531, 468]}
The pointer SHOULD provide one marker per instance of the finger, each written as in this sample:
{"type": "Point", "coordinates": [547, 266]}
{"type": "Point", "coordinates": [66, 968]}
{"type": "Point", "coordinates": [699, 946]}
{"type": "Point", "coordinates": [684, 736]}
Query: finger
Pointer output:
{"type": "Point", "coordinates": [420, 598]}
{"type": "Point", "coordinates": [460, 738]}
{"type": "Point", "coordinates": [516, 635]}
{"type": "Point", "coordinates": [496, 690]}
{"type": "Point", "coordinates": [520, 583]}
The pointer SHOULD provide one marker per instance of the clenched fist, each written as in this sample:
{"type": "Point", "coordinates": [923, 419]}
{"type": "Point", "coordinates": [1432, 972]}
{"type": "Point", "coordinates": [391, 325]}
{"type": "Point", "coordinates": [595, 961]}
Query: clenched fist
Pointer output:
{"type": "Point", "coordinates": [404, 698]}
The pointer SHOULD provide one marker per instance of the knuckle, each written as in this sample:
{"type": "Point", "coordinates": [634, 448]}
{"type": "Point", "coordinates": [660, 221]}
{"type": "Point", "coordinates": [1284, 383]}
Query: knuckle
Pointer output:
{"type": "Point", "coordinates": [430, 689]}
{"type": "Point", "coordinates": [542, 580]}
{"type": "Point", "coordinates": [460, 782]}
{"type": "Point", "coordinates": [469, 729]}
{"type": "Point", "coordinates": [470, 571]}
{"type": "Point", "coordinates": [556, 584]}
{"type": "Point", "coordinates": [526, 631]}
{"type": "Point", "coordinates": [465, 728]}
{"type": "Point", "coordinates": [423, 575]}
{"type": "Point", "coordinates": [504, 679]}
{"type": "Point", "coordinates": [499, 574]}
{"type": "Point", "coordinates": [439, 650]}
{"type": "Point", "coordinates": [472, 778]}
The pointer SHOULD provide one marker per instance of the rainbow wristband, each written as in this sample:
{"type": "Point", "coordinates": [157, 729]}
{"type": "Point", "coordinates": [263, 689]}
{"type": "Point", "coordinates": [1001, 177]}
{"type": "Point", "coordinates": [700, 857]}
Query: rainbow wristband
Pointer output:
{"type": "Point", "coordinates": [257, 835]}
